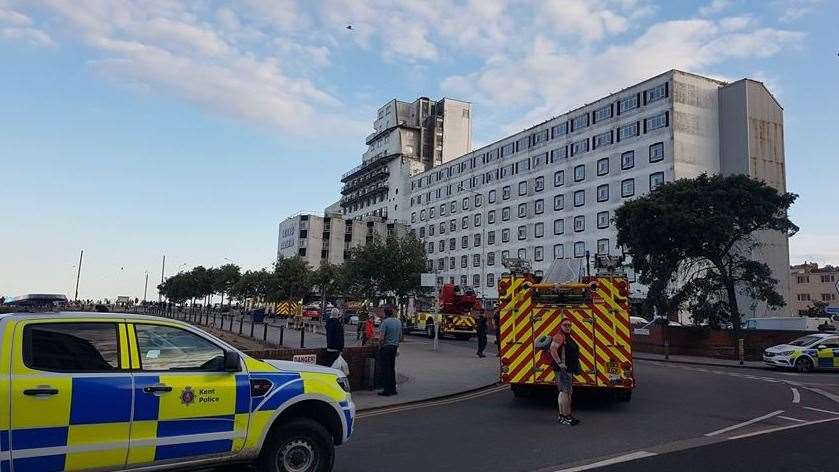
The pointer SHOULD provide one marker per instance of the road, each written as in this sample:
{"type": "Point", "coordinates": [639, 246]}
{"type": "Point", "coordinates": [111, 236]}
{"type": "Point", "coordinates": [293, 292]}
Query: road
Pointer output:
{"type": "Point", "coordinates": [677, 411]}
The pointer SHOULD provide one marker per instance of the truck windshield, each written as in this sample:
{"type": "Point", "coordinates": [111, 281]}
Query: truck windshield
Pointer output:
{"type": "Point", "coordinates": [805, 341]}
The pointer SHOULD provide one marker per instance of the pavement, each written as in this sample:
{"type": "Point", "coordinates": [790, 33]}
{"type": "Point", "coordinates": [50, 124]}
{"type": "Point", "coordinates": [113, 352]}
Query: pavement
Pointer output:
{"type": "Point", "coordinates": [678, 409]}
{"type": "Point", "coordinates": [697, 360]}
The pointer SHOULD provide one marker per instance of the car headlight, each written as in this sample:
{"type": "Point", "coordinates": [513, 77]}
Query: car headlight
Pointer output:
{"type": "Point", "coordinates": [344, 383]}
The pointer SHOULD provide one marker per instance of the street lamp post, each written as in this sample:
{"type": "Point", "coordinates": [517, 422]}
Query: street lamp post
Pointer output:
{"type": "Point", "coordinates": [146, 287]}
{"type": "Point", "coordinates": [78, 276]}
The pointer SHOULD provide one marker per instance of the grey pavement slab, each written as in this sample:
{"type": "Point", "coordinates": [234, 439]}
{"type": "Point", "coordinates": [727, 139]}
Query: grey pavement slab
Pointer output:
{"type": "Point", "coordinates": [701, 360]}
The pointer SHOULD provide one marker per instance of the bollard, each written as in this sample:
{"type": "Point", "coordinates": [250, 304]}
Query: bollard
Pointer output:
{"type": "Point", "coordinates": [282, 333]}
{"type": "Point", "coordinates": [264, 332]}
{"type": "Point", "coordinates": [231, 324]}
{"type": "Point", "coordinates": [252, 323]}
{"type": "Point", "coordinates": [667, 349]}
{"type": "Point", "coordinates": [302, 336]}
{"type": "Point", "coordinates": [741, 354]}
{"type": "Point", "coordinates": [241, 324]}
{"type": "Point", "coordinates": [214, 320]}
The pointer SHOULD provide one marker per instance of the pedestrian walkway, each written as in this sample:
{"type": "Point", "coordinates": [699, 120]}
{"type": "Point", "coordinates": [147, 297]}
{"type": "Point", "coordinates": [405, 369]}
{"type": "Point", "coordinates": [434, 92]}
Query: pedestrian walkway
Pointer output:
{"type": "Point", "coordinates": [712, 361]}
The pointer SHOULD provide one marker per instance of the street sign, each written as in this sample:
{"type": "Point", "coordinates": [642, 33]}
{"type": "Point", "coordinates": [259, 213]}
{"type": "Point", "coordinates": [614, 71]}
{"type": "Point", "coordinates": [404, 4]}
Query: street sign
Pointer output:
{"type": "Point", "coordinates": [305, 358]}
{"type": "Point", "coordinates": [428, 280]}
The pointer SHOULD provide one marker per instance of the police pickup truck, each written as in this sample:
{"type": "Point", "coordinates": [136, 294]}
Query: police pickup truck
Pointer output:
{"type": "Point", "coordinates": [130, 392]}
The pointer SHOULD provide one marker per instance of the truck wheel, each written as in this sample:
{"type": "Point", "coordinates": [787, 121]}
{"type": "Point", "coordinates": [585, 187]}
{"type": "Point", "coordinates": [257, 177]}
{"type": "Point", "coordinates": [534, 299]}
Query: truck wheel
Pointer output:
{"type": "Point", "coordinates": [521, 391]}
{"type": "Point", "coordinates": [803, 364]}
{"type": "Point", "coordinates": [429, 330]}
{"type": "Point", "coordinates": [625, 395]}
{"type": "Point", "coordinates": [302, 445]}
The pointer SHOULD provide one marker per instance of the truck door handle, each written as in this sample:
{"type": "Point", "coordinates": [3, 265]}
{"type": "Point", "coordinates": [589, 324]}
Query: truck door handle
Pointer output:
{"type": "Point", "coordinates": [37, 392]}
{"type": "Point", "coordinates": [157, 389]}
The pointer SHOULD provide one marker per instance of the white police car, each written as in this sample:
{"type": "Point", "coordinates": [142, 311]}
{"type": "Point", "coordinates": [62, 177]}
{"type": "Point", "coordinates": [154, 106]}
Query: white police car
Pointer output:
{"type": "Point", "coordinates": [814, 351]}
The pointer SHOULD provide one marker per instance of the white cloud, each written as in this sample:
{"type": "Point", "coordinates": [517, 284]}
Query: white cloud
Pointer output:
{"type": "Point", "coordinates": [30, 35]}
{"type": "Point", "coordinates": [792, 10]}
{"type": "Point", "coordinates": [586, 19]}
{"type": "Point", "coordinates": [11, 17]}
{"type": "Point", "coordinates": [716, 6]}
{"type": "Point", "coordinates": [814, 247]}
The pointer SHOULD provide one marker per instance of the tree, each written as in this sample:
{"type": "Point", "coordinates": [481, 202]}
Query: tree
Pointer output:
{"type": "Point", "coordinates": [816, 310]}
{"type": "Point", "coordinates": [708, 228]}
{"type": "Point", "coordinates": [224, 279]}
{"type": "Point", "coordinates": [291, 280]}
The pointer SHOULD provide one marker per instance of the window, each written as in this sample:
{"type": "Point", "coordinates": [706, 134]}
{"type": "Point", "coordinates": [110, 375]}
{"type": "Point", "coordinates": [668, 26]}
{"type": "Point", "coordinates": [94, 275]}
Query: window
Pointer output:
{"type": "Point", "coordinates": [452, 263]}
{"type": "Point", "coordinates": [828, 297]}
{"type": "Point", "coordinates": [627, 160]}
{"type": "Point", "coordinates": [422, 232]}
{"type": "Point", "coordinates": [442, 227]}
{"type": "Point", "coordinates": [579, 147]}
{"type": "Point", "coordinates": [559, 178]}
{"type": "Point", "coordinates": [628, 103]}
{"type": "Point", "coordinates": [603, 113]}
{"type": "Point", "coordinates": [465, 205]}
{"type": "Point", "coordinates": [559, 130]}
{"type": "Point", "coordinates": [656, 122]}
{"type": "Point", "coordinates": [476, 280]}
{"type": "Point", "coordinates": [559, 202]}
{"type": "Point", "coordinates": [603, 166]}
{"type": "Point", "coordinates": [579, 198]}
{"type": "Point", "coordinates": [164, 348]}
{"type": "Point", "coordinates": [827, 278]}
{"type": "Point", "coordinates": [656, 180]}
{"type": "Point", "coordinates": [441, 264]}
{"type": "Point", "coordinates": [491, 217]}
{"type": "Point", "coordinates": [490, 258]}
{"type": "Point", "coordinates": [656, 152]}
{"type": "Point", "coordinates": [522, 232]}
{"type": "Point", "coordinates": [540, 137]}
{"type": "Point", "coordinates": [628, 188]}
{"type": "Point", "coordinates": [464, 222]}
{"type": "Point", "coordinates": [431, 213]}
{"type": "Point", "coordinates": [656, 93]}
{"type": "Point", "coordinates": [477, 239]}
{"type": "Point", "coordinates": [579, 249]}
{"type": "Point", "coordinates": [452, 206]}
{"type": "Point", "coordinates": [442, 209]}
{"type": "Point", "coordinates": [603, 193]}
{"type": "Point", "coordinates": [464, 261]}
{"type": "Point", "coordinates": [71, 347]}
{"type": "Point", "coordinates": [601, 140]}
{"type": "Point", "coordinates": [603, 246]}
{"type": "Point", "coordinates": [431, 247]}
{"type": "Point", "coordinates": [803, 297]}
{"type": "Point", "coordinates": [505, 193]}
{"type": "Point", "coordinates": [508, 149]}
{"type": "Point", "coordinates": [627, 131]}
{"type": "Point", "coordinates": [464, 242]}
{"type": "Point", "coordinates": [602, 219]}
{"type": "Point", "coordinates": [462, 280]}
{"type": "Point", "coordinates": [441, 245]}
{"type": "Point", "coordinates": [490, 280]}
{"type": "Point", "coordinates": [505, 235]}
{"type": "Point", "coordinates": [505, 255]}
{"type": "Point", "coordinates": [538, 253]}
{"type": "Point", "coordinates": [476, 260]}
{"type": "Point", "coordinates": [538, 230]}
{"type": "Point", "coordinates": [522, 253]}
{"type": "Point", "coordinates": [477, 219]}
{"type": "Point", "coordinates": [539, 184]}
{"type": "Point", "coordinates": [803, 280]}
{"type": "Point", "coordinates": [559, 251]}
{"type": "Point", "coordinates": [539, 206]}
{"type": "Point", "coordinates": [523, 188]}
{"type": "Point", "coordinates": [579, 173]}
{"type": "Point", "coordinates": [559, 226]}
{"type": "Point", "coordinates": [559, 153]}
{"type": "Point", "coordinates": [491, 196]}
{"type": "Point", "coordinates": [579, 223]}
{"type": "Point", "coordinates": [522, 210]}
{"type": "Point", "coordinates": [579, 122]}
{"type": "Point", "coordinates": [413, 217]}
{"type": "Point", "coordinates": [491, 237]}
{"type": "Point", "coordinates": [452, 244]}
{"type": "Point", "coordinates": [505, 214]}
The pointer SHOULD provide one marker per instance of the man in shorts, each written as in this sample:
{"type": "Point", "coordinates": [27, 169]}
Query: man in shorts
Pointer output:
{"type": "Point", "coordinates": [566, 362]}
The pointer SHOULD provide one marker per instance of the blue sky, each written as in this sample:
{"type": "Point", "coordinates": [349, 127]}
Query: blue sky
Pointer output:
{"type": "Point", "coordinates": [133, 129]}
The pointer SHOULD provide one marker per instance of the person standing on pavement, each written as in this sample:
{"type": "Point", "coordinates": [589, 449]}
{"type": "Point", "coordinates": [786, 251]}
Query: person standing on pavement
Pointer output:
{"type": "Point", "coordinates": [391, 329]}
{"type": "Point", "coordinates": [334, 337]}
{"type": "Point", "coordinates": [496, 320]}
{"type": "Point", "coordinates": [481, 322]}
{"type": "Point", "coordinates": [368, 330]}
{"type": "Point", "coordinates": [566, 362]}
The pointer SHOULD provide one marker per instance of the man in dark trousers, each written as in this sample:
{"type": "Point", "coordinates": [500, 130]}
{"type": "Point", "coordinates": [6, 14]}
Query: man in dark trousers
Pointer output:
{"type": "Point", "coordinates": [481, 322]}
{"type": "Point", "coordinates": [566, 363]}
{"type": "Point", "coordinates": [391, 330]}
{"type": "Point", "coordinates": [496, 320]}
{"type": "Point", "coordinates": [334, 337]}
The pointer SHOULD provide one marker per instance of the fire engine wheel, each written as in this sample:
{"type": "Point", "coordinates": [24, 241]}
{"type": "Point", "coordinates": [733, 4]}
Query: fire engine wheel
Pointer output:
{"type": "Point", "coordinates": [803, 364]}
{"type": "Point", "coordinates": [624, 395]}
{"type": "Point", "coordinates": [521, 391]}
{"type": "Point", "coordinates": [429, 330]}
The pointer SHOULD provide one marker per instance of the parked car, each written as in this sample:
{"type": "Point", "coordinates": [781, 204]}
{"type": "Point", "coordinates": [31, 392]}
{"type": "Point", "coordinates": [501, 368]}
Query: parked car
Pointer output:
{"type": "Point", "coordinates": [814, 351]}
{"type": "Point", "coordinates": [311, 312]}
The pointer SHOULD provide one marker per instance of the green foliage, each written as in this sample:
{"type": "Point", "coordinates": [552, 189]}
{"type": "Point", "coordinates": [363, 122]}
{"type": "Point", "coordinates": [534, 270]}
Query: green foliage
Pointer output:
{"type": "Point", "coordinates": [387, 268]}
{"type": "Point", "coordinates": [816, 310]}
{"type": "Point", "coordinates": [291, 280]}
{"type": "Point", "coordinates": [701, 233]}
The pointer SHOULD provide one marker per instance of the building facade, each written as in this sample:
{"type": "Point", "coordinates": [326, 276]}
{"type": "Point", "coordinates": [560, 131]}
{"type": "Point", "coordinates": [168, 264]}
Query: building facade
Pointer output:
{"type": "Point", "coordinates": [811, 283]}
{"type": "Point", "coordinates": [550, 192]}
{"type": "Point", "coordinates": [407, 139]}
{"type": "Point", "coordinates": [319, 239]}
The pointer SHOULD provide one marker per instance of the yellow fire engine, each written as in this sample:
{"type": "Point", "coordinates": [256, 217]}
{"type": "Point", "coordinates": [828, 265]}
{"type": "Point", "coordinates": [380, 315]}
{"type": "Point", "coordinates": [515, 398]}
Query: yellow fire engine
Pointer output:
{"type": "Point", "coordinates": [598, 308]}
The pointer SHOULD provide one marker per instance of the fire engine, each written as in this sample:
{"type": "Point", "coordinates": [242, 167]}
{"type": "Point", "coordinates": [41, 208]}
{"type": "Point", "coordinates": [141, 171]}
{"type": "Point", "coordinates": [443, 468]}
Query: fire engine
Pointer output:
{"type": "Point", "coordinates": [453, 317]}
{"type": "Point", "coordinates": [598, 307]}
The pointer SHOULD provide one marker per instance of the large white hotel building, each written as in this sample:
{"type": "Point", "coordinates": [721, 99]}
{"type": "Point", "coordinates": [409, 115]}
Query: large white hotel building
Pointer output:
{"type": "Point", "coordinates": [550, 191]}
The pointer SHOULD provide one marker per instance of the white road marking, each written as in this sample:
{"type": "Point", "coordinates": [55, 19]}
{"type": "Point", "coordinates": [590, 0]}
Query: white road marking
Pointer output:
{"type": "Point", "coordinates": [792, 419]}
{"type": "Point", "coordinates": [796, 397]}
{"type": "Point", "coordinates": [447, 401]}
{"type": "Point", "coordinates": [615, 460]}
{"type": "Point", "coordinates": [823, 411]}
{"type": "Point", "coordinates": [745, 423]}
{"type": "Point", "coordinates": [782, 428]}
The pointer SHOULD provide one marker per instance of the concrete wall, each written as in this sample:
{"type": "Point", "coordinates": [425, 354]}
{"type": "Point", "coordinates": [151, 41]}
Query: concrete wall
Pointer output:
{"type": "Point", "coordinates": [457, 129]}
{"type": "Point", "coordinates": [695, 125]}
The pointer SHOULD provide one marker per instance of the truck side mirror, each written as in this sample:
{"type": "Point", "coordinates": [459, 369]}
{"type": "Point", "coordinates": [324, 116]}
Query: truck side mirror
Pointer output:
{"type": "Point", "coordinates": [232, 361]}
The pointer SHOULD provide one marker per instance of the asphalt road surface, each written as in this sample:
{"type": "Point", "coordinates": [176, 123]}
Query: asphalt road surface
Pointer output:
{"type": "Point", "coordinates": [679, 414]}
